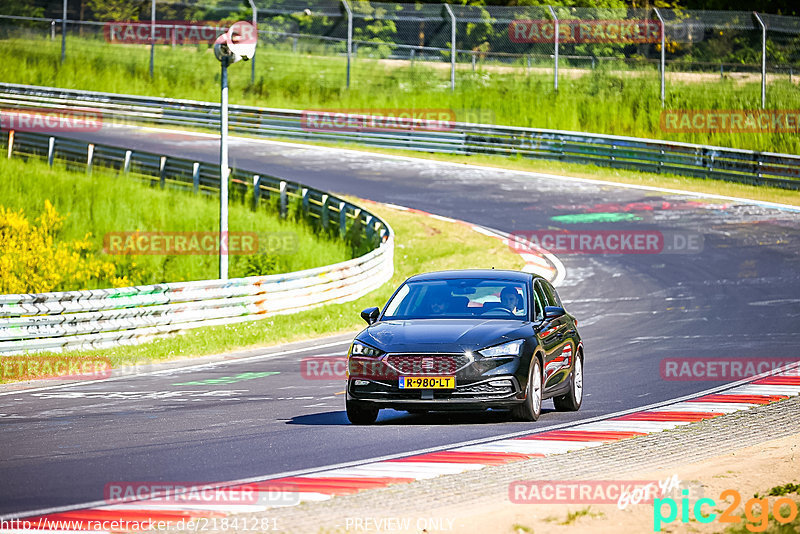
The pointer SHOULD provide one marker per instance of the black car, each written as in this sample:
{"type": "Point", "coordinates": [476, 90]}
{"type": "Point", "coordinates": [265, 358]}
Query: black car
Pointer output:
{"type": "Point", "coordinates": [466, 340]}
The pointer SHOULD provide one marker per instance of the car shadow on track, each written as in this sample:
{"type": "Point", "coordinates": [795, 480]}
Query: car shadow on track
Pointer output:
{"type": "Point", "coordinates": [394, 417]}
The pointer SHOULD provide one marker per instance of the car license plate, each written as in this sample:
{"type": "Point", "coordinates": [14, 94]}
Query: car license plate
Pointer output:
{"type": "Point", "coordinates": [427, 382]}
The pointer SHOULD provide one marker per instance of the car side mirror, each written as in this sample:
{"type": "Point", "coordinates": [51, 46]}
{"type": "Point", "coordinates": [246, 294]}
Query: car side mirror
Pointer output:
{"type": "Point", "coordinates": [370, 315]}
{"type": "Point", "coordinates": [552, 312]}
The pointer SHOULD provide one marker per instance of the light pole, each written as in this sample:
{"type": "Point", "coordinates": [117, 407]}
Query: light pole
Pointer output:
{"type": "Point", "coordinates": [238, 43]}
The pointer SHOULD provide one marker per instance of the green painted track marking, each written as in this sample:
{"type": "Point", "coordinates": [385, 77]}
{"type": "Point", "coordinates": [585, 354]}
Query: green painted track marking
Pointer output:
{"type": "Point", "coordinates": [595, 218]}
{"type": "Point", "coordinates": [228, 379]}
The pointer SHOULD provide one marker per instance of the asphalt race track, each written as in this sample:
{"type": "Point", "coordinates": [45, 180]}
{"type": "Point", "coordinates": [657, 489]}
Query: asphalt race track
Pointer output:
{"type": "Point", "coordinates": [737, 295]}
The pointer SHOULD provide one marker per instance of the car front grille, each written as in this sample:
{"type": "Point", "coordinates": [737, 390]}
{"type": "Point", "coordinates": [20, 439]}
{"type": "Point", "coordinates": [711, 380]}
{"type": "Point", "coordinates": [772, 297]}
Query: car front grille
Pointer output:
{"type": "Point", "coordinates": [427, 364]}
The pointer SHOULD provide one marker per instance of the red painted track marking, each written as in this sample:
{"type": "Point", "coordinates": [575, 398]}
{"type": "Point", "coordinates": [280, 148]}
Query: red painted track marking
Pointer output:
{"type": "Point", "coordinates": [329, 485]}
{"type": "Point", "coordinates": [585, 435]}
{"type": "Point", "coordinates": [469, 457]}
{"type": "Point", "coordinates": [780, 381]}
{"type": "Point", "coordinates": [752, 399]}
{"type": "Point", "coordinates": [667, 416]}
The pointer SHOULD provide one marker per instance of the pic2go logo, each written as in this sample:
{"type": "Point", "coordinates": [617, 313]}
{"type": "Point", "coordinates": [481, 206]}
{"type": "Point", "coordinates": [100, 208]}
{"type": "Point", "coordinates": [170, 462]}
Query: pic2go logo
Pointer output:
{"type": "Point", "coordinates": [756, 511]}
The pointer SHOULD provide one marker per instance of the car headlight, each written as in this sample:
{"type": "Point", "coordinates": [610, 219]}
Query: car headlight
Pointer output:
{"type": "Point", "coordinates": [512, 348]}
{"type": "Point", "coordinates": [360, 349]}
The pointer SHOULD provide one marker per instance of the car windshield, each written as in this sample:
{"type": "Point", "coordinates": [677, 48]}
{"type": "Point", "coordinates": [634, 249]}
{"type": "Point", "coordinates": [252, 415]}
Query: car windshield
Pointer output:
{"type": "Point", "coordinates": [464, 297]}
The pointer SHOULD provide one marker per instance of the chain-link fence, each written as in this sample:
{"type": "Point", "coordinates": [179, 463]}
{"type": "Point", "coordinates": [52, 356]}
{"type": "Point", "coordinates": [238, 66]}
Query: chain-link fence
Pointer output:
{"type": "Point", "coordinates": [334, 41]}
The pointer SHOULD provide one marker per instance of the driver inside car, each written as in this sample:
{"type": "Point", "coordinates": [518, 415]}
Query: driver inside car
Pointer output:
{"type": "Point", "coordinates": [508, 299]}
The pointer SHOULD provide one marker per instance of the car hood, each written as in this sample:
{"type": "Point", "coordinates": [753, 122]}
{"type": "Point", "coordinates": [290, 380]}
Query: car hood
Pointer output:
{"type": "Point", "coordinates": [442, 335]}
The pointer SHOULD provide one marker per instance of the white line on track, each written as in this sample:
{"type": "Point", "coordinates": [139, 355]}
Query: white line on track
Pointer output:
{"type": "Point", "coordinates": [173, 369]}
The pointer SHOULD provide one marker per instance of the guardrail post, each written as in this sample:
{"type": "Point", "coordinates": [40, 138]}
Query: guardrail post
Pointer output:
{"type": "Point", "coordinates": [555, 47]}
{"type": "Point", "coordinates": [370, 227]}
{"type": "Point", "coordinates": [663, 55]}
{"type": "Point", "coordinates": [51, 150]}
{"type": "Point", "coordinates": [89, 158]}
{"type": "Point", "coordinates": [126, 165]}
{"type": "Point", "coordinates": [304, 195]}
{"type": "Point", "coordinates": [256, 190]}
{"type": "Point", "coordinates": [342, 218]}
{"type": "Point", "coordinates": [282, 191]}
{"type": "Point", "coordinates": [196, 176]}
{"type": "Point", "coordinates": [10, 143]}
{"type": "Point", "coordinates": [452, 47]}
{"type": "Point", "coordinates": [162, 176]}
{"type": "Point", "coordinates": [324, 212]}
{"type": "Point", "coordinates": [349, 38]}
{"type": "Point", "coordinates": [763, 60]}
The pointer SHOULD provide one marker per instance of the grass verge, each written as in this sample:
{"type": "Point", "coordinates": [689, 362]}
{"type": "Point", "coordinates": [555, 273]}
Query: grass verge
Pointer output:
{"type": "Point", "coordinates": [106, 202]}
{"type": "Point", "coordinates": [422, 244]}
{"type": "Point", "coordinates": [600, 101]}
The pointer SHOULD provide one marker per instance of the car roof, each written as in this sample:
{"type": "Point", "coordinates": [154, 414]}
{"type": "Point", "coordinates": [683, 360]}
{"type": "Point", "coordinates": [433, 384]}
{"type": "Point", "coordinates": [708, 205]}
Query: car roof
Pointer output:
{"type": "Point", "coordinates": [490, 274]}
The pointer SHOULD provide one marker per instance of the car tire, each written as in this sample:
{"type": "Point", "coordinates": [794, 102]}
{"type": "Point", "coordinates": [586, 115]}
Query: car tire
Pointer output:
{"type": "Point", "coordinates": [361, 414]}
{"type": "Point", "coordinates": [571, 401]}
{"type": "Point", "coordinates": [532, 407]}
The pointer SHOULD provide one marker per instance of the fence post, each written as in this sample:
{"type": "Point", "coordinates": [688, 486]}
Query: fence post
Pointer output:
{"type": "Point", "coordinates": [255, 26]}
{"type": "Point", "coordinates": [452, 47]}
{"type": "Point", "coordinates": [349, 38]}
{"type": "Point", "coordinates": [763, 60]}
{"type": "Point", "coordinates": [663, 55]}
{"type": "Point", "coordinates": [53, 30]}
{"type": "Point", "coordinates": [152, 35]}
{"type": "Point", "coordinates": [555, 47]}
{"type": "Point", "coordinates": [10, 143]}
{"type": "Point", "coordinates": [64, 32]}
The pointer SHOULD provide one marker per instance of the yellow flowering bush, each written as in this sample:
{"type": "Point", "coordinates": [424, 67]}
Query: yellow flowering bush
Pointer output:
{"type": "Point", "coordinates": [32, 260]}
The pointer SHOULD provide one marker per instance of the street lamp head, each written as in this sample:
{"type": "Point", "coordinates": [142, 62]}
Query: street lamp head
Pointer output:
{"type": "Point", "coordinates": [238, 43]}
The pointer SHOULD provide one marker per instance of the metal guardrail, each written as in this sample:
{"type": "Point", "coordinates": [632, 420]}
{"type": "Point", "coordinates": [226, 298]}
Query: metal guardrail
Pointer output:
{"type": "Point", "coordinates": [107, 317]}
{"type": "Point", "coordinates": [686, 159]}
